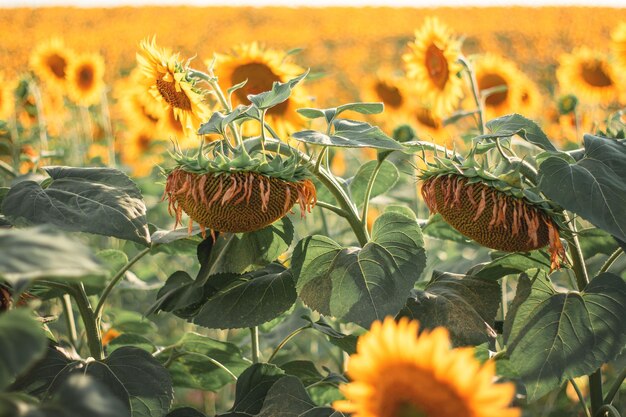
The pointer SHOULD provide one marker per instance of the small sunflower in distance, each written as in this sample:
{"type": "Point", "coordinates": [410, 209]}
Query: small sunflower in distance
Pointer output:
{"type": "Point", "coordinates": [49, 61]}
{"type": "Point", "coordinates": [432, 66]}
{"type": "Point", "coordinates": [262, 67]}
{"type": "Point", "coordinates": [85, 79]}
{"type": "Point", "coordinates": [618, 46]}
{"type": "Point", "coordinates": [167, 81]}
{"type": "Point", "coordinates": [396, 373]}
{"type": "Point", "coordinates": [495, 71]}
{"type": "Point", "coordinates": [589, 75]}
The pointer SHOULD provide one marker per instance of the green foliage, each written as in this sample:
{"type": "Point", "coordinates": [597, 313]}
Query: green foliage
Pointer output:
{"type": "Point", "coordinates": [515, 124]}
{"type": "Point", "coordinates": [386, 178]}
{"type": "Point", "coordinates": [350, 134]}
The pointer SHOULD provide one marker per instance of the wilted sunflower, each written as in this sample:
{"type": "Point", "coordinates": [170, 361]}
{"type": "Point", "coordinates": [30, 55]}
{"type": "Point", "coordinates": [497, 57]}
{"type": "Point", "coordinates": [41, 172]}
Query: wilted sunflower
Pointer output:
{"type": "Point", "coordinates": [432, 66]}
{"type": "Point", "coordinates": [397, 373]}
{"type": "Point", "coordinates": [262, 67]}
{"type": "Point", "coordinates": [495, 71]}
{"type": "Point", "coordinates": [7, 101]}
{"type": "Point", "coordinates": [49, 60]}
{"type": "Point", "coordinates": [618, 46]}
{"type": "Point", "coordinates": [167, 81]}
{"type": "Point", "coordinates": [85, 79]}
{"type": "Point", "coordinates": [589, 75]}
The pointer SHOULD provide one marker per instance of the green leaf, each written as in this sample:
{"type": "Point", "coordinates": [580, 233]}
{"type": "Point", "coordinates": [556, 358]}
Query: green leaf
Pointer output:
{"type": "Point", "coordinates": [553, 336]}
{"type": "Point", "coordinates": [131, 339]}
{"type": "Point", "coordinates": [288, 398]}
{"type": "Point", "coordinates": [22, 342]}
{"type": "Point", "coordinates": [95, 200]}
{"type": "Point", "coordinates": [249, 300]}
{"type": "Point", "coordinates": [196, 367]}
{"type": "Point", "coordinates": [594, 241]}
{"type": "Point", "coordinates": [164, 237]}
{"type": "Point", "coordinates": [127, 321]}
{"type": "Point", "coordinates": [252, 387]}
{"type": "Point", "coordinates": [37, 253]}
{"type": "Point", "coordinates": [279, 93]}
{"type": "Point", "coordinates": [311, 113]}
{"type": "Point", "coordinates": [350, 134]}
{"type": "Point", "coordinates": [219, 121]}
{"type": "Point", "coordinates": [465, 305]}
{"type": "Point", "coordinates": [243, 252]}
{"type": "Point", "coordinates": [185, 412]}
{"type": "Point", "coordinates": [438, 228]}
{"type": "Point", "coordinates": [361, 285]}
{"type": "Point", "coordinates": [505, 264]}
{"type": "Point", "coordinates": [594, 187]}
{"type": "Point", "coordinates": [515, 124]}
{"type": "Point", "coordinates": [345, 342]}
{"type": "Point", "coordinates": [385, 180]}
{"type": "Point", "coordinates": [363, 108]}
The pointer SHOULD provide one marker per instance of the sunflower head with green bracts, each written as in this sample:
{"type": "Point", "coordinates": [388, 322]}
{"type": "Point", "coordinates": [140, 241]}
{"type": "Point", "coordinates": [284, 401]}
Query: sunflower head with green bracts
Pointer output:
{"type": "Point", "coordinates": [497, 211]}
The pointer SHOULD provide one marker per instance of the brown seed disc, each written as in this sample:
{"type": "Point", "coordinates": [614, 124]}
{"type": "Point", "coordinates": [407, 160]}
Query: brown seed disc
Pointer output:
{"type": "Point", "coordinates": [489, 216]}
{"type": "Point", "coordinates": [235, 203]}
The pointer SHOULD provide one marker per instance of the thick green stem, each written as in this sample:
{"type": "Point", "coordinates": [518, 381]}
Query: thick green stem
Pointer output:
{"type": "Point", "coordinates": [254, 344]}
{"type": "Point", "coordinates": [339, 211]}
{"type": "Point", "coordinates": [368, 191]}
{"type": "Point", "coordinates": [615, 387]}
{"type": "Point", "coordinates": [475, 93]}
{"type": "Point", "coordinates": [611, 260]}
{"type": "Point", "coordinates": [581, 397]}
{"type": "Point", "coordinates": [92, 330]}
{"type": "Point", "coordinates": [115, 280]}
{"type": "Point", "coordinates": [287, 339]}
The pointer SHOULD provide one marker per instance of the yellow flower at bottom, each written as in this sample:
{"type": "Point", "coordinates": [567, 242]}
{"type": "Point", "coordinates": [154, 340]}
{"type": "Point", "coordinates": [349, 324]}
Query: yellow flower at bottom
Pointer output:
{"type": "Point", "coordinates": [396, 373]}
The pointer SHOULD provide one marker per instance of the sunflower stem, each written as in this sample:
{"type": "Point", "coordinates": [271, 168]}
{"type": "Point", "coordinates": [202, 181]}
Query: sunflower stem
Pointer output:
{"type": "Point", "coordinates": [66, 303]}
{"type": "Point", "coordinates": [475, 93]}
{"type": "Point", "coordinates": [615, 387]}
{"type": "Point", "coordinates": [41, 117]}
{"type": "Point", "coordinates": [254, 344]}
{"type": "Point", "coordinates": [337, 210]}
{"type": "Point", "coordinates": [92, 329]}
{"type": "Point", "coordinates": [581, 397]}
{"type": "Point", "coordinates": [108, 129]}
{"type": "Point", "coordinates": [611, 260]}
{"type": "Point", "coordinates": [285, 340]}
{"type": "Point", "coordinates": [368, 190]}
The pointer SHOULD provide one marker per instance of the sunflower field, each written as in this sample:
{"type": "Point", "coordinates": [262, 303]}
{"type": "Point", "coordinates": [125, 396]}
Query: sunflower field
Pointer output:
{"type": "Point", "coordinates": [315, 212]}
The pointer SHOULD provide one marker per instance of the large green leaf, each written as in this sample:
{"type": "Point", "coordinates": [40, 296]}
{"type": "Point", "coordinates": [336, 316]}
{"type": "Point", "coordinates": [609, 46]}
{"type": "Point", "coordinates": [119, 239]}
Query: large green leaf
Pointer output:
{"type": "Point", "coordinates": [350, 134]}
{"type": "Point", "coordinates": [593, 187]}
{"type": "Point", "coordinates": [279, 93]}
{"type": "Point", "coordinates": [252, 387]}
{"type": "Point", "coordinates": [95, 200]}
{"type": "Point", "coordinates": [330, 114]}
{"type": "Point", "coordinates": [438, 228]}
{"type": "Point", "coordinates": [346, 342]}
{"type": "Point", "coordinates": [249, 300]}
{"type": "Point", "coordinates": [288, 398]}
{"type": "Point", "coordinates": [507, 263]}
{"type": "Point", "coordinates": [361, 285]}
{"type": "Point", "coordinates": [515, 124]}
{"type": "Point", "coordinates": [196, 361]}
{"type": "Point", "coordinates": [553, 336]}
{"type": "Point", "coordinates": [132, 375]}
{"type": "Point", "coordinates": [22, 342]}
{"type": "Point", "coordinates": [37, 252]}
{"type": "Point", "coordinates": [465, 305]}
{"type": "Point", "coordinates": [385, 180]}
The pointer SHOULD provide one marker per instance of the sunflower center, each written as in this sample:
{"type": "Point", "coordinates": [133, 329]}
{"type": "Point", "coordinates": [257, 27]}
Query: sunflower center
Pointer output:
{"type": "Point", "coordinates": [593, 73]}
{"type": "Point", "coordinates": [57, 65]}
{"type": "Point", "coordinates": [389, 94]}
{"type": "Point", "coordinates": [260, 78]}
{"type": "Point", "coordinates": [493, 80]}
{"type": "Point", "coordinates": [173, 97]}
{"type": "Point", "coordinates": [437, 66]}
{"type": "Point", "coordinates": [409, 410]}
{"type": "Point", "coordinates": [85, 77]}
{"type": "Point", "coordinates": [143, 142]}
{"type": "Point", "coordinates": [425, 118]}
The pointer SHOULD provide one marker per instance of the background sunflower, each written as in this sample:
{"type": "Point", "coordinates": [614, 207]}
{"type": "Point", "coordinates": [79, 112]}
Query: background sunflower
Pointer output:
{"type": "Point", "coordinates": [85, 79]}
{"type": "Point", "coordinates": [49, 60]}
{"type": "Point", "coordinates": [495, 71]}
{"type": "Point", "coordinates": [7, 102]}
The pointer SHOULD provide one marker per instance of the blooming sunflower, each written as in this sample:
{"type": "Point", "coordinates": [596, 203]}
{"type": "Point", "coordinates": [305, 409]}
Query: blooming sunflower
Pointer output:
{"type": "Point", "coordinates": [262, 67]}
{"type": "Point", "coordinates": [7, 102]}
{"type": "Point", "coordinates": [530, 100]}
{"type": "Point", "coordinates": [141, 151]}
{"type": "Point", "coordinates": [391, 90]}
{"type": "Point", "coordinates": [433, 67]}
{"type": "Point", "coordinates": [495, 71]}
{"type": "Point", "coordinates": [85, 79]}
{"type": "Point", "coordinates": [397, 373]}
{"type": "Point", "coordinates": [49, 60]}
{"type": "Point", "coordinates": [618, 46]}
{"type": "Point", "coordinates": [589, 75]}
{"type": "Point", "coordinates": [167, 81]}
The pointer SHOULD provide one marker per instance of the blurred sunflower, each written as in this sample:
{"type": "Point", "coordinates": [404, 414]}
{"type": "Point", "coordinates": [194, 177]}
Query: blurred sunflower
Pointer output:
{"type": "Point", "coordinates": [138, 110]}
{"type": "Point", "coordinates": [395, 373]}
{"type": "Point", "coordinates": [429, 126]}
{"type": "Point", "coordinates": [49, 61]}
{"type": "Point", "coordinates": [495, 71]}
{"type": "Point", "coordinates": [262, 67]}
{"type": "Point", "coordinates": [7, 101]}
{"type": "Point", "coordinates": [141, 151]}
{"type": "Point", "coordinates": [618, 46]}
{"type": "Point", "coordinates": [85, 79]}
{"type": "Point", "coordinates": [589, 75]}
{"type": "Point", "coordinates": [432, 65]}
{"type": "Point", "coordinates": [531, 100]}
{"type": "Point", "coordinates": [168, 82]}
{"type": "Point", "coordinates": [389, 89]}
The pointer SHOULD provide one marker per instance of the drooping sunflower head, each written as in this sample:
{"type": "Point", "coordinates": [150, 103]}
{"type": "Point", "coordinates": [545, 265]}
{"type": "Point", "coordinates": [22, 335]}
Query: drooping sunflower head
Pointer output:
{"type": "Point", "coordinates": [432, 66]}
{"type": "Point", "coordinates": [237, 194]}
{"type": "Point", "coordinates": [396, 373]}
{"type": "Point", "coordinates": [589, 75]}
{"type": "Point", "coordinates": [166, 79]}
{"type": "Point", "coordinates": [7, 101]}
{"type": "Point", "coordinates": [49, 61]}
{"type": "Point", "coordinates": [493, 210]}
{"type": "Point", "coordinates": [85, 79]}
{"type": "Point", "coordinates": [261, 67]}
{"type": "Point", "coordinates": [618, 46]}
{"type": "Point", "coordinates": [493, 72]}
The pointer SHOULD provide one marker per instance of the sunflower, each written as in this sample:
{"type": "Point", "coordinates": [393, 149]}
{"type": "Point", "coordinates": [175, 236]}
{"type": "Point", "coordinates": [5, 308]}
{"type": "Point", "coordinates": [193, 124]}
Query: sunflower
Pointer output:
{"type": "Point", "coordinates": [7, 102]}
{"type": "Point", "coordinates": [391, 90]}
{"type": "Point", "coordinates": [262, 67]}
{"type": "Point", "coordinates": [167, 81]}
{"type": "Point", "coordinates": [49, 60]}
{"type": "Point", "coordinates": [429, 126]}
{"type": "Point", "coordinates": [494, 71]}
{"type": "Point", "coordinates": [396, 373]}
{"type": "Point", "coordinates": [433, 67]}
{"type": "Point", "coordinates": [530, 100]}
{"type": "Point", "coordinates": [618, 46]}
{"type": "Point", "coordinates": [589, 75]}
{"type": "Point", "coordinates": [85, 79]}
{"type": "Point", "coordinates": [141, 151]}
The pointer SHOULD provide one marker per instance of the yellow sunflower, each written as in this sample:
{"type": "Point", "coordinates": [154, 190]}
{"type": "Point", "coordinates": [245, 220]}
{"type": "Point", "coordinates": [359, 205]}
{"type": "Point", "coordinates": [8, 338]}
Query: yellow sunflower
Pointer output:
{"type": "Point", "coordinates": [495, 71]}
{"type": "Point", "coordinates": [138, 110]}
{"type": "Point", "coordinates": [396, 373]}
{"type": "Point", "coordinates": [531, 99]}
{"type": "Point", "coordinates": [7, 101]}
{"type": "Point", "coordinates": [167, 81]}
{"type": "Point", "coordinates": [432, 66]}
{"type": "Point", "coordinates": [85, 79]}
{"type": "Point", "coordinates": [389, 89]}
{"type": "Point", "coordinates": [49, 60]}
{"type": "Point", "coordinates": [262, 67]}
{"type": "Point", "coordinates": [589, 75]}
{"type": "Point", "coordinates": [618, 46]}
{"type": "Point", "coordinates": [141, 151]}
